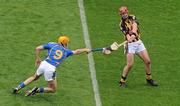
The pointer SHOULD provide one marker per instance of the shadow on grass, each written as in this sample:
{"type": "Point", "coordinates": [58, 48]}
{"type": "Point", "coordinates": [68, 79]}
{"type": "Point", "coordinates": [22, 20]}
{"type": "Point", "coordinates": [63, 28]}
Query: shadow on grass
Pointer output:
{"type": "Point", "coordinates": [37, 99]}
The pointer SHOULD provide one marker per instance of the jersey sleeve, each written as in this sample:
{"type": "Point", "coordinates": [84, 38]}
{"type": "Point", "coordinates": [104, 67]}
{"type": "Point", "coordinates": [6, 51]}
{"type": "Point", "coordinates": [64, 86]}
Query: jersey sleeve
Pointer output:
{"type": "Point", "coordinates": [122, 27]}
{"type": "Point", "coordinates": [48, 45]}
{"type": "Point", "coordinates": [69, 53]}
{"type": "Point", "coordinates": [133, 17]}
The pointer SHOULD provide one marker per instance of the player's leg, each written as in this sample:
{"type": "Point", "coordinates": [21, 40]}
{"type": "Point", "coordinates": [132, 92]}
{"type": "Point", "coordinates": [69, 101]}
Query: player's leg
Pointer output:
{"type": "Point", "coordinates": [31, 79]}
{"type": "Point", "coordinates": [127, 68]}
{"type": "Point", "coordinates": [50, 77]}
{"type": "Point", "coordinates": [146, 59]}
{"type": "Point", "coordinates": [51, 88]}
{"type": "Point", "coordinates": [34, 77]}
{"type": "Point", "coordinates": [25, 83]}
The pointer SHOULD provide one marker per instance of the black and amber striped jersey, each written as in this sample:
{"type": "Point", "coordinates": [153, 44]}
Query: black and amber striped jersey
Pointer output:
{"type": "Point", "coordinates": [126, 25]}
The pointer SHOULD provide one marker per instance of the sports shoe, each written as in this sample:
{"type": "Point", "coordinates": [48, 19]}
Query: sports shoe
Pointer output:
{"type": "Point", "coordinates": [122, 84]}
{"type": "Point", "coordinates": [32, 92]}
{"type": "Point", "coordinates": [151, 82]}
{"type": "Point", "coordinates": [15, 90]}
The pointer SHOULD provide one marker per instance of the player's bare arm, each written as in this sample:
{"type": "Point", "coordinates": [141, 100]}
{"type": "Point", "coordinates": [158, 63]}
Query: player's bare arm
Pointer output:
{"type": "Point", "coordinates": [79, 51]}
{"type": "Point", "coordinates": [129, 38]}
{"type": "Point", "coordinates": [132, 32]}
{"type": "Point", "coordinates": [134, 27]}
{"type": "Point", "coordinates": [37, 51]}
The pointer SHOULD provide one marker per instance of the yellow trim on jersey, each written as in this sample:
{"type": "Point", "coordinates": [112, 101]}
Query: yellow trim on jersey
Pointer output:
{"type": "Point", "coordinates": [126, 26]}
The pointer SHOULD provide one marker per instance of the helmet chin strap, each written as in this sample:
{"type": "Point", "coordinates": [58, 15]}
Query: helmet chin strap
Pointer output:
{"type": "Point", "coordinates": [64, 45]}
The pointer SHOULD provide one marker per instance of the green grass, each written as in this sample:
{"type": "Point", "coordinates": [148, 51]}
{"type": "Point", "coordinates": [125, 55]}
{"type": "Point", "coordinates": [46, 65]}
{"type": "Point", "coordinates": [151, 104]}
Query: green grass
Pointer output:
{"type": "Point", "coordinates": [159, 25]}
{"type": "Point", "coordinates": [25, 24]}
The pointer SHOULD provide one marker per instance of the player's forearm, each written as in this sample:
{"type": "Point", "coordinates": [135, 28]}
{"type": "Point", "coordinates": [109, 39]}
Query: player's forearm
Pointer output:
{"type": "Point", "coordinates": [79, 51]}
{"type": "Point", "coordinates": [134, 27]}
{"type": "Point", "coordinates": [37, 52]}
{"type": "Point", "coordinates": [129, 38]}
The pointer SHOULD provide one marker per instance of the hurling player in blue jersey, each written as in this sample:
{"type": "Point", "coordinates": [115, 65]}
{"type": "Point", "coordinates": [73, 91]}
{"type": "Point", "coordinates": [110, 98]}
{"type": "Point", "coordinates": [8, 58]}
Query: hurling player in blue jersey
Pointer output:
{"type": "Point", "coordinates": [57, 52]}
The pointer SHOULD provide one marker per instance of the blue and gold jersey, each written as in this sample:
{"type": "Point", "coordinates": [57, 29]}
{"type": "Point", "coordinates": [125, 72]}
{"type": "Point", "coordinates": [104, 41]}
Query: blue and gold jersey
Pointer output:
{"type": "Point", "coordinates": [56, 53]}
{"type": "Point", "coordinates": [126, 25]}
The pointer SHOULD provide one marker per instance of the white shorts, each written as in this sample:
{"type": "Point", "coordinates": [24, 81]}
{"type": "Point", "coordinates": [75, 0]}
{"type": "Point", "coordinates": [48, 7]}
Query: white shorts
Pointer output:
{"type": "Point", "coordinates": [48, 70]}
{"type": "Point", "coordinates": [134, 47]}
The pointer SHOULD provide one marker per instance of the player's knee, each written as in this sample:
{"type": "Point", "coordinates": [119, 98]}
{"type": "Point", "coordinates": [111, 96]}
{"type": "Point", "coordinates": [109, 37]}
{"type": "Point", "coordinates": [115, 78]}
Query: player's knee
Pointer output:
{"type": "Point", "coordinates": [35, 77]}
{"type": "Point", "coordinates": [148, 62]}
{"type": "Point", "coordinates": [53, 89]}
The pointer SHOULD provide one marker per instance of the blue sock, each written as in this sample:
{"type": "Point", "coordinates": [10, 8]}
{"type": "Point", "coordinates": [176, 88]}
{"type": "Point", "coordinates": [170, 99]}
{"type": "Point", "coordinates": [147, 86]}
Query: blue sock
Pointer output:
{"type": "Point", "coordinates": [21, 85]}
{"type": "Point", "coordinates": [41, 90]}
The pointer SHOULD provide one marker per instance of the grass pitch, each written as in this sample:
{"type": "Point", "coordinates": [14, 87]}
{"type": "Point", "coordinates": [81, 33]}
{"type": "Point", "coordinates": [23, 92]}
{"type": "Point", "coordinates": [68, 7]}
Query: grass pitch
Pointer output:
{"type": "Point", "coordinates": [159, 31]}
{"type": "Point", "coordinates": [27, 23]}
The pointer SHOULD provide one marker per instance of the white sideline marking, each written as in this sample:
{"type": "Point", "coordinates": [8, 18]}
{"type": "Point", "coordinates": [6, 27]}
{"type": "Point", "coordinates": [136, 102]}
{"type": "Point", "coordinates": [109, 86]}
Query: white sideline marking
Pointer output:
{"type": "Point", "coordinates": [90, 56]}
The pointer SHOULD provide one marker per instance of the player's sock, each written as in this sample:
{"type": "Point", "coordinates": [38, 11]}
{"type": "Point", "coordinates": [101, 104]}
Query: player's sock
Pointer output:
{"type": "Point", "coordinates": [40, 90]}
{"type": "Point", "coordinates": [32, 91]}
{"type": "Point", "coordinates": [21, 85]}
{"type": "Point", "coordinates": [122, 82]}
{"type": "Point", "coordinates": [16, 89]}
{"type": "Point", "coordinates": [123, 79]}
{"type": "Point", "coordinates": [148, 76]}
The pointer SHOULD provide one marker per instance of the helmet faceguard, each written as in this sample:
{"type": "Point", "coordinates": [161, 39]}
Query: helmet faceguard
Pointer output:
{"type": "Point", "coordinates": [123, 11]}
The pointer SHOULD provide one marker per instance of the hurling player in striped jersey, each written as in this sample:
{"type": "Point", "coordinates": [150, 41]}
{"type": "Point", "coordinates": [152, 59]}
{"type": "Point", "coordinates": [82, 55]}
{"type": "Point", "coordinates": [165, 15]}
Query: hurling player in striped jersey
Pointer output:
{"type": "Point", "coordinates": [130, 29]}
